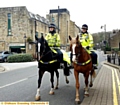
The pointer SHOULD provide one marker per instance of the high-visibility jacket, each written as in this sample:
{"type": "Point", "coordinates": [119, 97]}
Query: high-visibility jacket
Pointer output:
{"type": "Point", "coordinates": [53, 40]}
{"type": "Point", "coordinates": [86, 39]}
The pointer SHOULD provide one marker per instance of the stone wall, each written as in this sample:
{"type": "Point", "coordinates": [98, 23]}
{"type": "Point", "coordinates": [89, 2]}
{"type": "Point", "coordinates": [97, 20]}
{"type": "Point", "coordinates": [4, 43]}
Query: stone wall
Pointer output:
{"type": "Point", "coordinates": [115, 40]}
{"type": "Point", "coordinates": [22, 23]}
{"type": "Point", "coordinates": [19, 25]}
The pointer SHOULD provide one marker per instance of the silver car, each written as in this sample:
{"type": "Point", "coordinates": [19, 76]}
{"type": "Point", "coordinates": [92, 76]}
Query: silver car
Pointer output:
{"type": "Point", "coordinates": [4, 55]}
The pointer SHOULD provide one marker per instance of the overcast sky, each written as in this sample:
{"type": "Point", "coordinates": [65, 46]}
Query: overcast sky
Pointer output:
{"type": "Point", "coordinates": [92, 12]}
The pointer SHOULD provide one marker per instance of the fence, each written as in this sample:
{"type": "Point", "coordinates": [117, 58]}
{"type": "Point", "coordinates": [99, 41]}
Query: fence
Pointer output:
{"type": "Point", "coordinates": [114, 59]}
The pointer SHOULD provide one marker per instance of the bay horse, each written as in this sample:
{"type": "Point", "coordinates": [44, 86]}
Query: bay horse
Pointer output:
{"type": "Point", "coordinates": [82, 63]}
{"type": "Point", "coordinates": [48, 61]}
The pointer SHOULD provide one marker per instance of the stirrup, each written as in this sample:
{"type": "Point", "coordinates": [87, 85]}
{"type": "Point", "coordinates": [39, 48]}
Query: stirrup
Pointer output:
{"type": "Point", "coordinates": [95, 67]}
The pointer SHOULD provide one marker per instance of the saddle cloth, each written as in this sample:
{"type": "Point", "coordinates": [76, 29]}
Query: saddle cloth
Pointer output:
{"type": "Point", "coordinates": [65, 55]}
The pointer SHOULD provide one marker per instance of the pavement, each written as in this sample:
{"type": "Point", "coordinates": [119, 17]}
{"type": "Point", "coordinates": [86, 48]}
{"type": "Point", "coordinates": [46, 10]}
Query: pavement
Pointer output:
{"type": "Point", "coordinates": [14, 66]}
{"type": "Point", "coordinates": [106, 87]}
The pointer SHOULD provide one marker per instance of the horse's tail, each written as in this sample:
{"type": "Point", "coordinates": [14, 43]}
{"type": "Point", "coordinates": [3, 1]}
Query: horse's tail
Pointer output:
{"type": "Point", "coordinates": [93, 73]}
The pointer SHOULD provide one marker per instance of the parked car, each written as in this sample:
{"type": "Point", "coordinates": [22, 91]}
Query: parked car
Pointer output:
{"type": "Point", "coordinates": [4, 55]}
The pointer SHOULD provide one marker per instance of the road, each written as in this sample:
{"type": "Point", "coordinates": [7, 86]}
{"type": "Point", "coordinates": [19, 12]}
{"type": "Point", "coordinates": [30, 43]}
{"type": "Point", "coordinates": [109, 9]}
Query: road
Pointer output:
{"type": "Point", "coordinates": [21, 85]}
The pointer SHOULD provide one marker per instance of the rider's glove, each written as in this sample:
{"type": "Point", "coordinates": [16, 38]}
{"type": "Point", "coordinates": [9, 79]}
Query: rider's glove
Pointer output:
{"type": "Point", "coordinates": [54, 45]}
{"type": "Point", "coordinates": [87, 47]}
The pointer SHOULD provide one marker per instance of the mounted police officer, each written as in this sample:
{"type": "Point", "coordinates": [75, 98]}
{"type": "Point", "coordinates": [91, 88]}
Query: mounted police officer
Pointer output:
{"type": "Point", "coordinates": [86, 40]}
{"type": "Point", "coordinates": [53, 40]}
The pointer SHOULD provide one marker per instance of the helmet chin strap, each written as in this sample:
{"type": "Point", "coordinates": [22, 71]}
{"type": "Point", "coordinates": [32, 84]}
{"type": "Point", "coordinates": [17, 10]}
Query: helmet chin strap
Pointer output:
{"type": "Point", "coordinates": [84, 32]}
{"type": "Point", "coordinates": [52, 32]}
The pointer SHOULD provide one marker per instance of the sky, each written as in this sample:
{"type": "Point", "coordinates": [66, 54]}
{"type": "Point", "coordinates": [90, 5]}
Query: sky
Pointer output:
{"type": "Point", "coordinates": [94, 13]}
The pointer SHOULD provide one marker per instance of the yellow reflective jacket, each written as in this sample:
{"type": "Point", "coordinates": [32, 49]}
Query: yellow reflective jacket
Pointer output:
{"type": "Point", "coordinates": [53, 40]}
{"type": "Point", "coordinates": [87, 40]}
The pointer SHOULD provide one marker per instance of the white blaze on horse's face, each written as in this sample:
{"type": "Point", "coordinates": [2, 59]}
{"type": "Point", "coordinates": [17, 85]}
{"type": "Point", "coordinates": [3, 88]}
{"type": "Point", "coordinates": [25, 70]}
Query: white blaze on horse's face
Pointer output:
{"type": "Point", "coordinates": [39, 47]}
{"type": "Point", "coordinates": [73, 49]}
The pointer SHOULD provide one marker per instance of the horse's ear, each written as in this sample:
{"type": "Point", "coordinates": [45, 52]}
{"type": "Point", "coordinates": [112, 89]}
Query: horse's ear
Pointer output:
{"type": "Point", "coordinates": [36, 37]}
{"type": "Point", "coordinates": [77, 38]}
{"type": "Point", "coordinates": [70, 38]}
{"type": "Point", "coordinates": [42, 37]}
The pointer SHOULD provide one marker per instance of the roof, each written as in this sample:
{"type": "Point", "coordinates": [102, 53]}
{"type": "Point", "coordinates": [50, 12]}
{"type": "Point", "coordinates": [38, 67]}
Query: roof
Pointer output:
{"type": "Point", "coordinates": [59, 10]}
{"type": "Point", "coordinates": [38, 17]}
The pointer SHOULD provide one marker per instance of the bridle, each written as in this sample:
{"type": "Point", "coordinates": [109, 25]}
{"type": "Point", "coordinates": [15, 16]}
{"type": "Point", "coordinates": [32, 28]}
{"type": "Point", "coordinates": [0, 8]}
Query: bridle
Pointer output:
{"type": "Point", "coordinates": [43, 54]}
{"type": "Point", "coordinates": [78, 53]}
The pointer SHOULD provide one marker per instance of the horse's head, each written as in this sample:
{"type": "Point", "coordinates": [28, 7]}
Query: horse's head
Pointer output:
{"type": "Point", "coordinates": [41, 46]}
{"type": "Point", "coordinates": [75, 47]}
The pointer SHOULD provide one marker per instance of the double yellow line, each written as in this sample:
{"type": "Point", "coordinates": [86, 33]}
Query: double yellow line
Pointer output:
{"type": "Point", "coordinates": [115, 75]}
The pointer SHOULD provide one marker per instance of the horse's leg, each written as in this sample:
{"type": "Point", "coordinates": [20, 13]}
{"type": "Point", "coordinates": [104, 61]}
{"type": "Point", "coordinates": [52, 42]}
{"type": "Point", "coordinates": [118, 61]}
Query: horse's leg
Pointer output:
{"type": "Point", "coordinates": [67, 81]}
{"type": "Point", "coordinates": [57, 75]}
{"type": "Point", "coordinates": [86, 75]}
{"type": "Point", "coordinates": [66, 69]}
{"type": "Point", "coordinates": [66, 72]}
{"type": "Point", "coordinates": [39, 83]}
{"type": "Point", "coordinates": [92, 74]}
{"type": "Point", "coordinates": [77, 99]}
{"type": "Point", "coordinates": [52, 83]}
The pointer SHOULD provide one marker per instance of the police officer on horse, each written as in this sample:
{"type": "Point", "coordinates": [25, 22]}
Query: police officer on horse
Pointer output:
{"type": "Point", "coordinates": [86, 40]}
{"type": "Point", "coordinates": [53, 40]}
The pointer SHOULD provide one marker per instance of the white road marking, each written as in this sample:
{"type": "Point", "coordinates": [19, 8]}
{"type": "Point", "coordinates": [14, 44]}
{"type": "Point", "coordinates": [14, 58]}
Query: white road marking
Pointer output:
{"type": "Point", "coordinates": [13, 83]}
{"type": "Point", "coordinates": [17, 81]}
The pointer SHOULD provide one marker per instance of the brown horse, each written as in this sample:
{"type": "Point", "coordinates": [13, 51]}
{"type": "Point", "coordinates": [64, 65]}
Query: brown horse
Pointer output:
{"type": "Point", "coordinates": [82, 64]}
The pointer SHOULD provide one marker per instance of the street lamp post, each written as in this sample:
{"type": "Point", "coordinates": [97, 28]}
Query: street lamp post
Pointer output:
{"type": "Point", "coordinates": [58, 19]}
{"type": "Point", "coordinates": [104, 37]}
{"type": "Point", "coordinates": [104, 31]}
{"type": "Point", "coordinates": [25, 42]}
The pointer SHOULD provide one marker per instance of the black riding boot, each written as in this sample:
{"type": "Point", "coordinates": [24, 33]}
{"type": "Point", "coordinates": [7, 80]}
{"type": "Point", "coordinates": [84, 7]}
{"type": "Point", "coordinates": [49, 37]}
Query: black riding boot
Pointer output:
{"type": "Point", "coordinates": [93, 61]}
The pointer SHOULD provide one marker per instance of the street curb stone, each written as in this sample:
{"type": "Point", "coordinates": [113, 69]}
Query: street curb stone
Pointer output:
{"type": "Point", "coordinates": [113, 65]}
{"type": "Point", "coordinates": [2, 69]}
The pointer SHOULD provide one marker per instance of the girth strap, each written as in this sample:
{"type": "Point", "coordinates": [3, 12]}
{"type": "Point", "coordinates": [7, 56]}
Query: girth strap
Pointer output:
{"type": "Point", "coordinates": [82, 64]}
{"type": "Point", "coordinates": [48, 62]}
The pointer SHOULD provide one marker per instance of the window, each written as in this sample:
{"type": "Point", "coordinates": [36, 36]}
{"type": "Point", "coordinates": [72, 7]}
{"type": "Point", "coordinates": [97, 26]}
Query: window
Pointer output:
{"type": "Point", "coordinates": [9, 23]}
{"type": "Point", "coordinates": [41, 34]}
{"type": "Point", "coordinates": [31, 31]}
{"type": "Point", "coordinates": [53, 20]}
{"type": "Point", "coordinates": [36, 33]}
{"type": "Point", "coordinates": [6, 52]}
{"type": "Point", "coordinates": [32, 15]}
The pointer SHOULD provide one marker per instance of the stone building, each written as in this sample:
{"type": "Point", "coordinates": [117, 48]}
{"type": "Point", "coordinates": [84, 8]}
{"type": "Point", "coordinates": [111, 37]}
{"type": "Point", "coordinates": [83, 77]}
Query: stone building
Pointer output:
{"type": "Point", "coordinates": [17, 26]}
{"type": "Point", "coordinates": [114, 40]}
{"type": "Point", "coordinates": [66, 27]}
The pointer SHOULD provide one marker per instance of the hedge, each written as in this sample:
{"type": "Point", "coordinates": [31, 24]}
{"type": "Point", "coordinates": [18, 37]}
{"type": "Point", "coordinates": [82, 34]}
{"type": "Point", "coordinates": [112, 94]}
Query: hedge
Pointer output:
{"type": "Point", "coordinates": [20, 58]}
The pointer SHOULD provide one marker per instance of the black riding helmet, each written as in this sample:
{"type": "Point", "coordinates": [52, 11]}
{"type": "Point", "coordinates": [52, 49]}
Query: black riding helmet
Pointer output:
{"type": "Point", "coordinates": [52, 26]}
{"type": "Point", "coordinates": [85, 26]}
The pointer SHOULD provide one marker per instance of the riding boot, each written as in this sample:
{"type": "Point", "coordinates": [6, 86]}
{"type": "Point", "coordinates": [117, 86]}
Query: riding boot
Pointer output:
{"type": "Point", "coordinates": [93, 61]}
{"type": "Point", "coordinates": [95, 66]}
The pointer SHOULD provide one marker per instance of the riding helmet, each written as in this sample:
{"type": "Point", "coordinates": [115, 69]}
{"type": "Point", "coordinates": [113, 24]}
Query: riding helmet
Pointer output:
{"type": "Point", "coordinates": [52, 25]}
{"type": "Point", "coordinates": [85, 26]}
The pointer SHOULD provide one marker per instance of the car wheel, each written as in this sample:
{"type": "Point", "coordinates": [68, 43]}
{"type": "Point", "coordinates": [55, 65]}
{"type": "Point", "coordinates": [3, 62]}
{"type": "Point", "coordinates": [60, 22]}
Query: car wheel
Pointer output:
{"type": "Point", "coordinates": [5, 59]}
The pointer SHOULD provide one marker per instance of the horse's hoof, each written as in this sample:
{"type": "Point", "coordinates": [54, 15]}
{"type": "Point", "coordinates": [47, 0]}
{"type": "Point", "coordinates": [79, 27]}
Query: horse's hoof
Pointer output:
{"type": "Point", "coordinates": [37, 98]}
{"type": "Point", "coordinates": [56, 87]}
{"type": "Point", "coordinates": [91, 85]}
{"type": "Point", "coordinates": [51, 92]}
{"type": "Point", "coordinates": [86, 95]}
{"type": "Point", "coordinates": [77, 101]}
{"type": "Point", "coordinates": [67, 82]}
